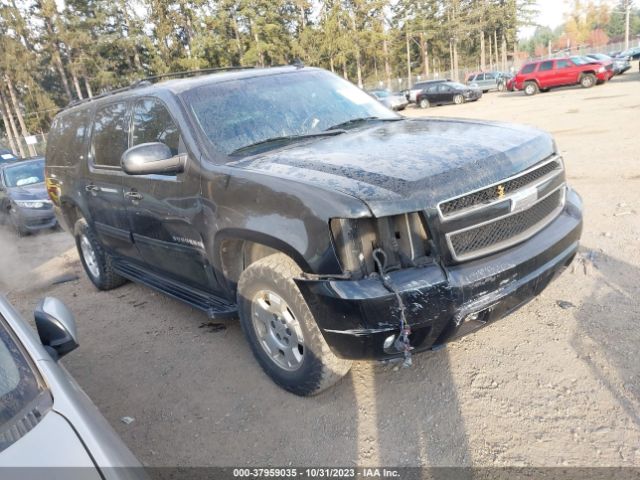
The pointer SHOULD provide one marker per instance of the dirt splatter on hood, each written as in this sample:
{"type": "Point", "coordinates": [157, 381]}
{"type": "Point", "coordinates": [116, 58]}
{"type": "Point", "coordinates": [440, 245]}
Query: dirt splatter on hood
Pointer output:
{"type": "Point", "coordinates": [408, 165]}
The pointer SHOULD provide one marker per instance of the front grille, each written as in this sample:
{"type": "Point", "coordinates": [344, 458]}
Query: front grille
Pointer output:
{"type": "Point", "coordinates": [505, 231]}
{"type": "Point", "coordinates": [494, 192]}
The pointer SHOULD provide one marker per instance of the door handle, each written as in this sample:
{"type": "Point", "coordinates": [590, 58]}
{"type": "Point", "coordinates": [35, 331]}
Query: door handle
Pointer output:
{"type": "Point", "coordinates": [135, 196]}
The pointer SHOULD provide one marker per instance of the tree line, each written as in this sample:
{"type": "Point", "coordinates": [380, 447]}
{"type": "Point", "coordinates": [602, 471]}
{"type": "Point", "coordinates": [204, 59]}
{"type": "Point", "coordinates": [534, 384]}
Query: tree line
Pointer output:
{"type": "Point", "coordinates": [55, 52]}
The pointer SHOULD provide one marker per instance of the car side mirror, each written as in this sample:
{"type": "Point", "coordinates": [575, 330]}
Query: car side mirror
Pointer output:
{"type": "Point", "coordinates": [152, 158]}
{"type": "Point", "coordinates": [56, 327]}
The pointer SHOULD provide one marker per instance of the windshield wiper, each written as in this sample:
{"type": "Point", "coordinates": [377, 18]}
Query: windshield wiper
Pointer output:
{"type": "Point", "coordinates": [289, 138]}
{"type": "Point", "coordinates": [356, 121]}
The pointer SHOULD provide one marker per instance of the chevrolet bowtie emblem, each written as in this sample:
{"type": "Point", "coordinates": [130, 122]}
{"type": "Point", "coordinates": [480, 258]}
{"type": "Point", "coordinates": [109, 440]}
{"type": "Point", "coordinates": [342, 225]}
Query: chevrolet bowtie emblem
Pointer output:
{"type": "Point", "coordinates": [500, 191]}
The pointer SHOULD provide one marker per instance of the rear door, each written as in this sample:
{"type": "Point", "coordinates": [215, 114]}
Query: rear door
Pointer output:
{"type": "Point", "coordinates": [445, 93]}
{"type": "Point", "coordinates": [165, 210]}
{"type": "Point", "coordinates": [102, 186]}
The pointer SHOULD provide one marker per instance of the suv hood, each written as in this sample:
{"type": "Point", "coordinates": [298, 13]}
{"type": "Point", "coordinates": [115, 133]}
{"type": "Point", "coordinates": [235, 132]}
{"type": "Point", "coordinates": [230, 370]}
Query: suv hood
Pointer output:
{"type": "Point", "coordinates": [37, 191]}
{"type": "Point", "coordinates": [408, 165]}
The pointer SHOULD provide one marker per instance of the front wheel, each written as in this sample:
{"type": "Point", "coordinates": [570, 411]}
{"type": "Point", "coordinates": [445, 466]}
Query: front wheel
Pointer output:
{"type": "Point", "coordinates": [424, 103]}
{"type": "Point", "coordinates": [588, 80]}
{"type": "Point", "coordinates": [501, 87]}
{"type": "Point", "coordinates": [97, 263]}
{"type": "Point", "coordinates": [17, 224]}
{"type": "Point", "coordinates": [458, 99]}
{"type": "Point", "coordinates": [281, 330]}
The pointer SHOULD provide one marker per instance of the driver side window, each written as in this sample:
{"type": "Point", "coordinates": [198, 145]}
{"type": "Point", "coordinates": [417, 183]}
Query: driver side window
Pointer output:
{"type": "Point", "coordinates": [153, 123]}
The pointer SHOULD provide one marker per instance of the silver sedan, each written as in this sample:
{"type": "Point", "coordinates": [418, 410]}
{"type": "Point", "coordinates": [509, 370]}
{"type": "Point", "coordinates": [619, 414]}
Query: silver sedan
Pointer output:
{"type": "Point", "coordinates": [48, 426]}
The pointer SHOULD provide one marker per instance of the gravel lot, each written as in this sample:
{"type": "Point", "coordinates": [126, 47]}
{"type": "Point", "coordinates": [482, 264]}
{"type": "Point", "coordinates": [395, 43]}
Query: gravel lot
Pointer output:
{"type": "Point", "coordinates": [555, 384]}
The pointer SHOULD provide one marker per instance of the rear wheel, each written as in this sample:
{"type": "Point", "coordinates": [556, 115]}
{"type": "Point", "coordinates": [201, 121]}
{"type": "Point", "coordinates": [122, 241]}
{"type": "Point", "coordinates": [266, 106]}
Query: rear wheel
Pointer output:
{"type": "Point", "coordinates": [458, 99]}
{"type": "Point", "coordinates": [97, 263]}
{"type": "Point", "coordinates": [587, 80]}
{"type": "Point", "coordinates": [281, 330]}
{"type": "Point", "coordinates": [530, 88]}
{"type": "Point", "coordinates": [424, 103]}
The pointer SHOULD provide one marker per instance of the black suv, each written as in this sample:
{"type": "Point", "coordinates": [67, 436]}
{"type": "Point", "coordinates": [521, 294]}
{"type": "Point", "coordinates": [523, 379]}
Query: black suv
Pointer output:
{"type": "Point", "coordinates": [334, 228]}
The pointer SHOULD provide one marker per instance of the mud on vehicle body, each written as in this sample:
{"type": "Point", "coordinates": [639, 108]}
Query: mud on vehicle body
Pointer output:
{"type": "Point", "coordinates": [335, 228]}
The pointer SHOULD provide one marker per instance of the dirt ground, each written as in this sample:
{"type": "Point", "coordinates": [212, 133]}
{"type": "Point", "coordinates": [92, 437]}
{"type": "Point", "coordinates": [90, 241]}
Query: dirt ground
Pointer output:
{"type": "Point", "coordinates": [555, 384]}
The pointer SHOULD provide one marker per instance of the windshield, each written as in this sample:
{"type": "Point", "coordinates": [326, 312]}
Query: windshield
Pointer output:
{"type": "Point", "coordinates": [239, 113]}
{"type": "Point", "coordinates": [19, 386]}
{"type": "Point", "coordinates": [582, 60]}
{"type": "Point", "coordinates": [23, 174]}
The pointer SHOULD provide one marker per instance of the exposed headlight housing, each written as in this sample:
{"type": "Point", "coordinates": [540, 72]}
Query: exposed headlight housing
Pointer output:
{"type": "Point", "coordinates": [31, 203]}
{"type": "Point", "coordinates": [403, 238]}
{"type": "Point", "coordinates": [601, 69]}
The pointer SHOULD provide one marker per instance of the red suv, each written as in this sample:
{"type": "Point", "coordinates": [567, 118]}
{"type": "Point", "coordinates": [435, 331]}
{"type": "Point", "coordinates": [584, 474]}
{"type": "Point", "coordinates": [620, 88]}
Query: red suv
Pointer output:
{"type": "Point", "coordinates": [559, 72]}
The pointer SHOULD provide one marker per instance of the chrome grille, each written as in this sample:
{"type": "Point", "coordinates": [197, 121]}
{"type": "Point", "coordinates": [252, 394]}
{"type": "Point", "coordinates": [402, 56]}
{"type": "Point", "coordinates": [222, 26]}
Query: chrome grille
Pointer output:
{"type": "Point", "coordinates": [500, 233]}
{"type": "Point", "coordinates": [492, 193]}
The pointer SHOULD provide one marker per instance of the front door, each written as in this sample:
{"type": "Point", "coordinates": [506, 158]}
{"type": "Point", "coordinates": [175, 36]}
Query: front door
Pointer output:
{"type": "Point", "coordinates": [164, 210]}
{"type": "Point", "coordinates": [102, 185]}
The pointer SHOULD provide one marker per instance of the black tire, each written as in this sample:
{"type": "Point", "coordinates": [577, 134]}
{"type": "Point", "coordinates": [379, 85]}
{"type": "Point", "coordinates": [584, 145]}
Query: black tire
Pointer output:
{"type": "Point", "coordinates": [587, 80]}
{"type": "Point", "coordinates": [319, 368]}
{"type": "Point", "coordinates": [424, 103]}
{"type": "Point", "coordinates": [15, 222]}
{"type": "Point", "coordinates": [106, 278]}
{"type": "Point", "coordinates": [458, 99]}
{"type": "Point", "coordinates": [531, 88]}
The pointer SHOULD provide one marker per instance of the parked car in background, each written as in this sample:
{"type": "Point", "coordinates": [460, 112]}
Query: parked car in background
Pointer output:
{"type": "Point", "coordinates": [447, 92]}
{"type": "Point", "coordinates": [487, 81]}
{"type": "Point", "coordinates": [542, 75]}
{"type": "Point", "coordinates": [620, 65]}
{"type": "Point", "coordinates": [7, 156]}
{"type": "Point", "coordinates": [394, 101]}
{"type": "Point", "coordinates": [606, 63]}
{"type": "Point", "coordinates": [23, 196]}
{"type": "Point", "coordinates": [420, 86]}
{"type": "Point", "coordinates": [49, 428]}
{"type": "Point", "coordinates": [630, 54]}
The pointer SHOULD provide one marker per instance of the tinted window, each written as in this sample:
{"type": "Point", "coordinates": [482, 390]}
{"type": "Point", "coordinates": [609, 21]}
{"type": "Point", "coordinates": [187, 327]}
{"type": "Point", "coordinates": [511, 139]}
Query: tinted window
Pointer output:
{"type": "Point", "coordinates": [528, 68]}
{"type": "Point", "coordinates": [545, 66]}
{"type": "Point", "coordinates": [110, 134]}
{"type": "Point", "coordinates": [444, 88]}
{"type": "Point", "coordinates": [19, 388]}
{"type": "Point", "coordinates": [65, 144]}
{"type": "Point", "coordinates": [432, 89]}
{"type": "Point", "coordinates": [152, 123]}
{"type": "Point", "coordinates": [562, 64]}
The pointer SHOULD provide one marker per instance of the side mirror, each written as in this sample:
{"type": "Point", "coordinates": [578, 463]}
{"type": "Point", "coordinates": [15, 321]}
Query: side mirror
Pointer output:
{"type": "Point", "coordinates": [56, 327]}
{"type": "Point", "coordinates": [150, 158]}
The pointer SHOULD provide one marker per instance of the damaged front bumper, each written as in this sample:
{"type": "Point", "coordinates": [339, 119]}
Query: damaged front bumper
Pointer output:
{"type": "Point", "coordinates": [358, 317]}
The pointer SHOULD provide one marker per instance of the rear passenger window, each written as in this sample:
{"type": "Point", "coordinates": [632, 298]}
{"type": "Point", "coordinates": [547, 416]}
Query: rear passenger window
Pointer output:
{"type": "Point", "coordinates": [153, 123]}
{"type": "Point", "coordinates": [66, 138]}
{"type": "Point", "coordinates": [528, 68]}
{"type": "Point", "coordinates": [546, 66]}
{"type": "Point", "coordinates": [110, 135]}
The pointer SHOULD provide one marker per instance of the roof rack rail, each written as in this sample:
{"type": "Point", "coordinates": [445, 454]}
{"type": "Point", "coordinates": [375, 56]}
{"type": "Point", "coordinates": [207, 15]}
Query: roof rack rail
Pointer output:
{"type": "Point", "coordinates": [192, 73]}
{"type": "Point", "coordinates": [145, 82]}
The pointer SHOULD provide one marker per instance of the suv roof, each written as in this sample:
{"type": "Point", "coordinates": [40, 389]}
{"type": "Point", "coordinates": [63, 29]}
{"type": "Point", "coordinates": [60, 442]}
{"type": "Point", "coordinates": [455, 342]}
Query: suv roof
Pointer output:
{"type": "Point", "coordinates": [178, 85]}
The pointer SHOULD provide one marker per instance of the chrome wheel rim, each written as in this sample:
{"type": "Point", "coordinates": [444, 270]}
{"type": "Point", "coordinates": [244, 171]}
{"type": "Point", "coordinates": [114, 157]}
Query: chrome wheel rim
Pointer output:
{"type": "Point", "coordinates": [89, 256]}
{"type": "Point", "coordinates": [529, 89]}
{"type": "Point", "coordinates": [457, 99]}
{"type": "Point", "coordinates": [278, 330]}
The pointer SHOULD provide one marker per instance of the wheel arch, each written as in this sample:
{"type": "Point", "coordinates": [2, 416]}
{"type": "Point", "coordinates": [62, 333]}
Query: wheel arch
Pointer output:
{"type": "Point", "coordinates": [235, 249]}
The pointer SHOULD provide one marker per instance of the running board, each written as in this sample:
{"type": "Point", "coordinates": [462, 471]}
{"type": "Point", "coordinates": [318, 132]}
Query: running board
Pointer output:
{"type": "Point", "coordinates": [214, 307]}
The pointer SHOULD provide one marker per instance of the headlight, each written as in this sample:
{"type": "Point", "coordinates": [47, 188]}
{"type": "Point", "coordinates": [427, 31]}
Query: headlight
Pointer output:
{"type": "Point", "coordinates": [30, 203]}
{"type": "Point", "coordinates": [601, 70]}
{"type": "Point", "coordinates": [402, 237]}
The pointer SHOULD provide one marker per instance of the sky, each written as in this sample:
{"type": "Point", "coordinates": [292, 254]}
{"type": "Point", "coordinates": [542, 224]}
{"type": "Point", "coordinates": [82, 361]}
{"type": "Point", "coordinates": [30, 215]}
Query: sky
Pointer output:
{"type": "Point", "coordinates": [550, 14]}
